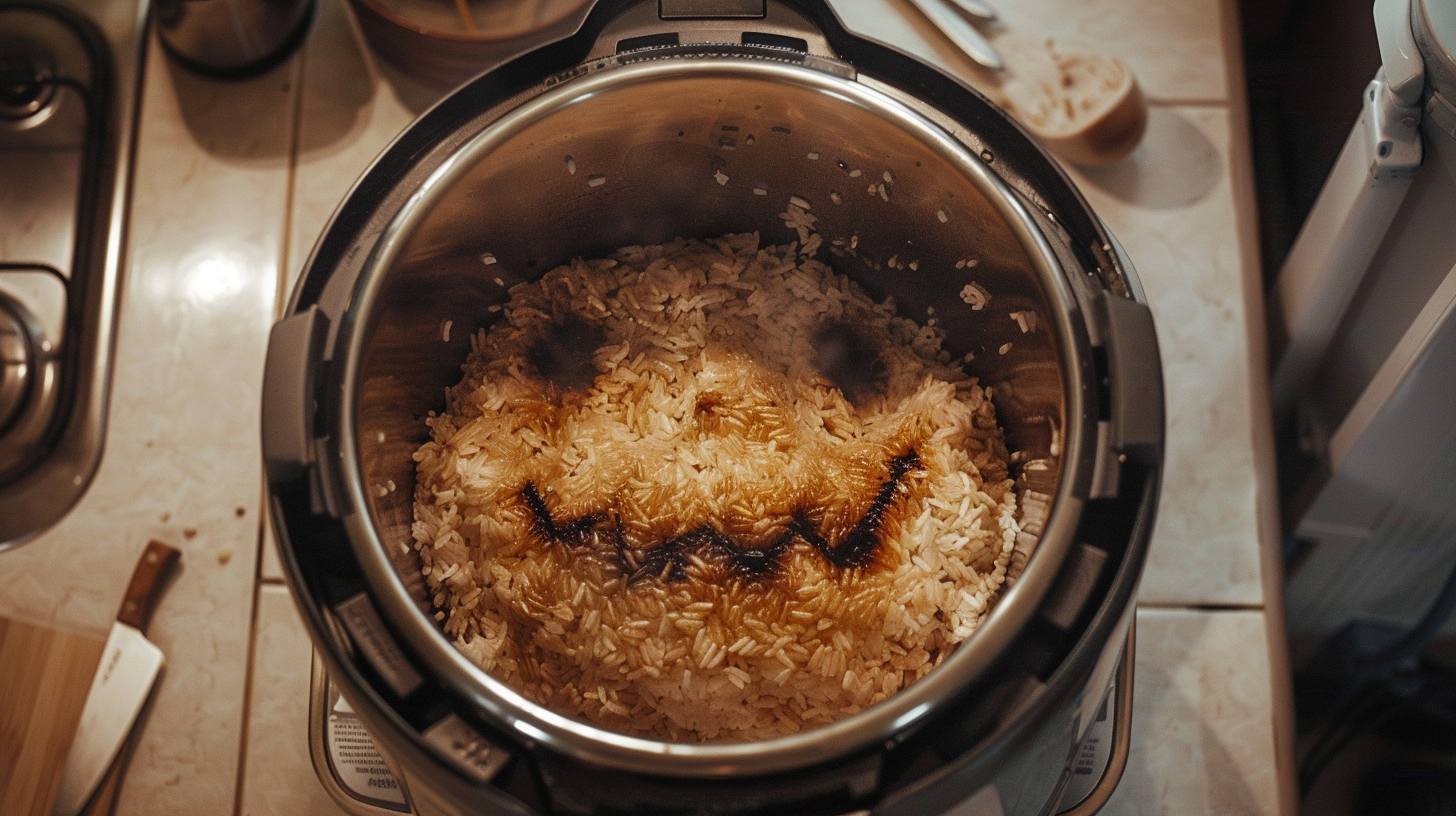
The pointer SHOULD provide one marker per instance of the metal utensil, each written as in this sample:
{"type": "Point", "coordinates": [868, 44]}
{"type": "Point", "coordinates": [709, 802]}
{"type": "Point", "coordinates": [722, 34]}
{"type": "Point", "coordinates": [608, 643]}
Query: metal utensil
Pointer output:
{"type": "Point", "coordinates": [959, 30]}
{"type": "Point", "coordinates": [232, 38]}
{"type": "Point", "coordinates": [129, 666]}
{"type": "Point", "coordinates": [976, 8]}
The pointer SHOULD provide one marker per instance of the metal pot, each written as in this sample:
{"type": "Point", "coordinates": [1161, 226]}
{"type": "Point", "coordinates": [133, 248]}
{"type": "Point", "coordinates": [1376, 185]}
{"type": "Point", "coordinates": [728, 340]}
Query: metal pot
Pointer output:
{"type": "Point", "coordinates": [644, 126]}
{"type": "Point", "coordinates": [232, 38]}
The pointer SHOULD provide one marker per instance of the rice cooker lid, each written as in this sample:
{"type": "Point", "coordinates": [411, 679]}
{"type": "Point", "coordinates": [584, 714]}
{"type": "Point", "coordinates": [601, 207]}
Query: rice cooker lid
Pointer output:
{"type": "Point", "coordinates": [298, 453]}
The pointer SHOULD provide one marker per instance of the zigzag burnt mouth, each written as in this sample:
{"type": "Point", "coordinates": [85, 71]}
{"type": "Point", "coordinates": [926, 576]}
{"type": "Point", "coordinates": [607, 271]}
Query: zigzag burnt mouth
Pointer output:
{"type": "Point", "coordinates": [668, 562]}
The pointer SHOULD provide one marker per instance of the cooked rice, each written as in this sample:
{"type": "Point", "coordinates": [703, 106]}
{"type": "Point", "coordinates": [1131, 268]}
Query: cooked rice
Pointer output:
{"type": "Point", "coordinates": [702, 410]}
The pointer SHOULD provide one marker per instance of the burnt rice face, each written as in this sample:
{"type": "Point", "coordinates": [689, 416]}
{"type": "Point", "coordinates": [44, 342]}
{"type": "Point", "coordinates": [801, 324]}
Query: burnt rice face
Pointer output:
{"type": "Point", "coordinates": [706, 491]}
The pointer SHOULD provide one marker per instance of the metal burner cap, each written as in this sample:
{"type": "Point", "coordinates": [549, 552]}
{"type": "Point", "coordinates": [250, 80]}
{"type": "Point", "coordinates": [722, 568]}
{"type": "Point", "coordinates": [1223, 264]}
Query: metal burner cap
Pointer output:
{"type": "Point", "coordinates": [27, 80]}
{"type": "Point", "coordinates": [15, 365]}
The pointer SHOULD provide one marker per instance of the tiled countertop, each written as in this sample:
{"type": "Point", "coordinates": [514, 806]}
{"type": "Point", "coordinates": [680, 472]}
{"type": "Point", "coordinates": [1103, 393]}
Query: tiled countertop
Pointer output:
{"type": "Point", "coordinates": [234, 182]}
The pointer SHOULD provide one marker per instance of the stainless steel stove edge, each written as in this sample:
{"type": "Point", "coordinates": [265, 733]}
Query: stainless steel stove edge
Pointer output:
{"type": "Point", "coordinates": [63, 464]}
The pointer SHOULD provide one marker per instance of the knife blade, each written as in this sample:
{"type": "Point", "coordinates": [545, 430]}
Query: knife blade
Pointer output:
{"type": "Point", "coordinates": [129, 666]}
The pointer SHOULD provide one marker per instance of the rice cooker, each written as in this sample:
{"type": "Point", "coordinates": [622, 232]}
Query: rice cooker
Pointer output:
{"type": "Point", "coordinates": [700, 118]}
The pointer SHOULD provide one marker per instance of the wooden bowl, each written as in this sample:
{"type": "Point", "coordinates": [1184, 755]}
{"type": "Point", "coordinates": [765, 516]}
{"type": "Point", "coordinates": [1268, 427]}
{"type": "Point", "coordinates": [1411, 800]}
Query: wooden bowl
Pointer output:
{"type": "Point", "coordinates": [1086, 108]}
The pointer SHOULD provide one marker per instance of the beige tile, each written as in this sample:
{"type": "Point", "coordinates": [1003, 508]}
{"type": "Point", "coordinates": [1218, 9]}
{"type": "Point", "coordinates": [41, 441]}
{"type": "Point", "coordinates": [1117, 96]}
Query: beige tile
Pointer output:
{"type": "Point", "coordinates": [1175, 48]}
{"type": "Point", "coordinates": [350, 112]}
{"type": "Point", "coordinates": [278, 775]}
{"type": "Point", "coordinates": [182, 461]}
{"type": "Point", "coordinates": [1170, 205]}
{"type": "Point", "coordinates": [1201, 741]}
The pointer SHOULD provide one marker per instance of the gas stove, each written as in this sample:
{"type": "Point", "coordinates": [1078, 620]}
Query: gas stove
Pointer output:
{"type": "Point", "coordinates": [69, 74]}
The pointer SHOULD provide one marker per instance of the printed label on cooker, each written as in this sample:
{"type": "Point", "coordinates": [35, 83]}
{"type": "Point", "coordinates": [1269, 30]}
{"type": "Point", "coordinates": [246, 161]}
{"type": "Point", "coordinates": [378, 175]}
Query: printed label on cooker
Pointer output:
{"type": "Point", "coordinates": [359, 768]}
{"type": "Point", "coordinates": [1091, 761]}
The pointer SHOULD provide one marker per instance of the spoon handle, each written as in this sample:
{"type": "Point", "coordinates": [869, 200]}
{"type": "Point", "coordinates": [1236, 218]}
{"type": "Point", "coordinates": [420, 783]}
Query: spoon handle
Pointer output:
{"type": "Point", "coordinates": [976, 8]}
{"type": "Point", "coordinates": [959, 31]}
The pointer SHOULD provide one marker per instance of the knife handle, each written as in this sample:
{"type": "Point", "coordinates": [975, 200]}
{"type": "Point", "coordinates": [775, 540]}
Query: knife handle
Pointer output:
{"type": "Point", "coordinates": [141, 593]}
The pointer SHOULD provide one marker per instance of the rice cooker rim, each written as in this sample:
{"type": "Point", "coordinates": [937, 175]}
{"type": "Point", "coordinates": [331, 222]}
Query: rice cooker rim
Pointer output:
{"type": "Point", "coordinates": [333, 264]}
{"type": "Point", "coordinates": [512, 711]}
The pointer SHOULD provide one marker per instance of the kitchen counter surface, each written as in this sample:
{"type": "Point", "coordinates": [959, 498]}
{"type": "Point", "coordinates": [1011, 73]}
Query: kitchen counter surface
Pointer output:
{"type": "Point", "coordinates": [234, 182]}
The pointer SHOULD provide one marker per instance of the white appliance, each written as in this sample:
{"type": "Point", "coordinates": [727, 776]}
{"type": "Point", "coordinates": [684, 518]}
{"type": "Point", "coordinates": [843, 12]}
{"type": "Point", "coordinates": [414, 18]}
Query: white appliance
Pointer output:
{"type": "Point", "coordinates": [1365, 348]}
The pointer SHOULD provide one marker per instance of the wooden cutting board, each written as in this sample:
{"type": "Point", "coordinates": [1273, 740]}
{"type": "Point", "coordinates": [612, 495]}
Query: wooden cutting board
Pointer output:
{"type": "Point", "coordinates": [44, 677]}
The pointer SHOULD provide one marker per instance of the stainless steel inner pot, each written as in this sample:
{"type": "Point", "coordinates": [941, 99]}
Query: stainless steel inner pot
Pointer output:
{"type": "Point", "coordinates": [646, 152]}
{"type": "Point", "coordinates": [583, 151]}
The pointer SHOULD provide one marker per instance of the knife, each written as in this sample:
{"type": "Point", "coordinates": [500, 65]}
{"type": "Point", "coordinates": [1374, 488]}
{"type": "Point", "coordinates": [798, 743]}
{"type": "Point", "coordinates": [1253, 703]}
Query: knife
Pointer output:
{"type": "Point", "coordinates": [129, 666]}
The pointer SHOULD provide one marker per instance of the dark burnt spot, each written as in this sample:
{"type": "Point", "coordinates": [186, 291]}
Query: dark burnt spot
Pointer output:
{"type": "Point", "coordinates": [849, 361]}
{"type": "Point", "coordinates": [857, 548]}
{"type": "Point", "coordinates": [671, 560]}
{"type": "Point", "coordinates": [708, 412]}
{"type": "Point", "coordinates": [756, 565]}
{"type": "Point", "coordinates": [576, 533]}
{"type": "Point", "coordinates": [564, 355]}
